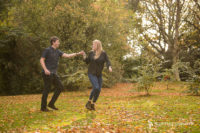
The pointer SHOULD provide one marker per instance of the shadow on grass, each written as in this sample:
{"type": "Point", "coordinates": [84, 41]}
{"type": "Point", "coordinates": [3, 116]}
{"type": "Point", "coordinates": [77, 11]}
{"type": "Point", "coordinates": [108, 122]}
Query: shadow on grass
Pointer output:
{"type": "Point", "coordinates": [144, 95]}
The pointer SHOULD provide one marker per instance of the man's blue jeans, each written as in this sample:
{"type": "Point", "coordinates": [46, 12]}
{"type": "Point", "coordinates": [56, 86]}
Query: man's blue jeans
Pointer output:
{"type": "Point", "coordinates": [96, 82]}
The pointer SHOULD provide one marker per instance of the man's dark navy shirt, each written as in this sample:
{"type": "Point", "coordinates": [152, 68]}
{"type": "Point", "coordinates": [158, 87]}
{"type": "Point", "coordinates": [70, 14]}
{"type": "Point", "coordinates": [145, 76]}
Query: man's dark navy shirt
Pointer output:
{"type": "Point", "coordinates": [51, 56]}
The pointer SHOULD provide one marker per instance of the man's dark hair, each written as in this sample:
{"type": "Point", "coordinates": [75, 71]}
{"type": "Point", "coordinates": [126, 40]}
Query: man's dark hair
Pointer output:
{"type": "Point", "coordinates": [53, 39]}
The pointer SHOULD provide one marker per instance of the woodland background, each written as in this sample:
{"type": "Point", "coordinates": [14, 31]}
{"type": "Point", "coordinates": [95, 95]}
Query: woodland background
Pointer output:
{"type": "Point", "coordinates": [146, 40]}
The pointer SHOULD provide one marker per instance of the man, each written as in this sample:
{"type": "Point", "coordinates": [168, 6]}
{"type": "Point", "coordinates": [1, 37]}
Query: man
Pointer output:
{"type": "Point", "coordinates": [49, 62]}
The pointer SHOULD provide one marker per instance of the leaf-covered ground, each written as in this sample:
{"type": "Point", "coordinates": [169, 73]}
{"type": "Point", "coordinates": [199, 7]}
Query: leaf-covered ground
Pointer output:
{"type": "Point", "coordinates": [119, 109]}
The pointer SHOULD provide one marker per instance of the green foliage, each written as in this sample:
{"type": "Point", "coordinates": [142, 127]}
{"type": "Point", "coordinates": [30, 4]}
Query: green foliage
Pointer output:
{"type": "Point", "coordinates": [18, 67]}
{"type": "Point", "coordinates": [147, 78]}
{"type": "Point", "coordinates": [167, 75]}
{"type": "Point", "coordinates": [179, 40]}
{"type": "Point", "coordinates": [148, 71]}
{"type": "Point", "coordinates": [26, 30]}
{"type": "Point", "coordinates": [130, 67]}
{"type": "Point", "coordinates": [109, 79]}
{"type": "Point", "coordinates": [194, 86]}
{"type": "Point", "coordinates": [192, 75]}
{"type": "Point", "coordinates": [194, 80]}
{"type": "Point", "coordinates": [76, 81]}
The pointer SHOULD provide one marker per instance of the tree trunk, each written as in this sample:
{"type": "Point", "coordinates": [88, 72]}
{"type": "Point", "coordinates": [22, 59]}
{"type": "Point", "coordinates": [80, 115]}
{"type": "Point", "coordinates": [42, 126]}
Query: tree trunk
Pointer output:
{"type": "Point", "coordinates": [176, 71]}
{"type": "Point", "coordinates": [176, 41]}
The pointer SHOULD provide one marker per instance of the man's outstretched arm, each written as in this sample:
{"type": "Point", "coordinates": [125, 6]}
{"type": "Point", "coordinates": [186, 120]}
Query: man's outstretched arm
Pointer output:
{"type": "Point", "coordinates": [71, 55]}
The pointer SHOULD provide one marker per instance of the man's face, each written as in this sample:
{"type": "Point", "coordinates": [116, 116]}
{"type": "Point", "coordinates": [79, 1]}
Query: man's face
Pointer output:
{"type": "Point", "coordinates": [56, 43]}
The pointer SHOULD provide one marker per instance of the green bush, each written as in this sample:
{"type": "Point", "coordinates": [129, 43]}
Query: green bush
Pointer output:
{"type": "Point", "coordinates": [148, 71]}
{"type": "Point", "coordinates": [194, 86]}
{"type": "Point", "coordinates": [25, 32]}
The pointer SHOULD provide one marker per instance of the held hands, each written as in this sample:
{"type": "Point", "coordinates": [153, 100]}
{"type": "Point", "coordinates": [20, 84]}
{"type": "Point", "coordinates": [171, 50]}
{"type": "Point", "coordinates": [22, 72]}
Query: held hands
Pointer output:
{"type": "Point", "coordinates": [81, 53]}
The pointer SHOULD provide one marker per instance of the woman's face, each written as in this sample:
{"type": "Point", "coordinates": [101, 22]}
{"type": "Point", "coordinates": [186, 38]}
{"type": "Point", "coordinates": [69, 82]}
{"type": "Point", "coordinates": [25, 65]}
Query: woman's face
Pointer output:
{"type": "Point", "coordinates": [94, 46]}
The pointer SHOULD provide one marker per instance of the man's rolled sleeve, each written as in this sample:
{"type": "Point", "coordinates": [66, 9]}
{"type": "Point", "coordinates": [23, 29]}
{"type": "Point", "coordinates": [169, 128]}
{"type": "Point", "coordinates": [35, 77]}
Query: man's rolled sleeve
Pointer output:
{"type": "Point", "coordinates": [60, 53]}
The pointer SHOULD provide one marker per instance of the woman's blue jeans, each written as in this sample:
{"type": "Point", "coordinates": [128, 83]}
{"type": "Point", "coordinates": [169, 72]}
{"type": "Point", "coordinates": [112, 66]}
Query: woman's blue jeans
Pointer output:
{"type": "Point", "coordinates": [96, 82]}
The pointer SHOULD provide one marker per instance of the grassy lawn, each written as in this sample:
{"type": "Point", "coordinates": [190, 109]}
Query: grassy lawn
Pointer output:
{"type": "Point", "coordinates": [119, 109]}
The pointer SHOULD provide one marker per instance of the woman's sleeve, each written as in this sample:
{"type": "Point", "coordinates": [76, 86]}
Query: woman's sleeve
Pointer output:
{"type": "Point", "coordinates": [107, 60]}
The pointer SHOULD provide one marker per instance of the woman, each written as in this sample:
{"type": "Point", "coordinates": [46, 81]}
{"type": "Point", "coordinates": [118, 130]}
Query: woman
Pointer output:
{"type": "Point", "coordinates": [96, 59]}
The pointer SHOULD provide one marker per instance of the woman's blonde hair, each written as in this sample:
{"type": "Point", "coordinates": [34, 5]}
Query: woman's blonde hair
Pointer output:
{"type": "Point", "coordinates": [99, 48]}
